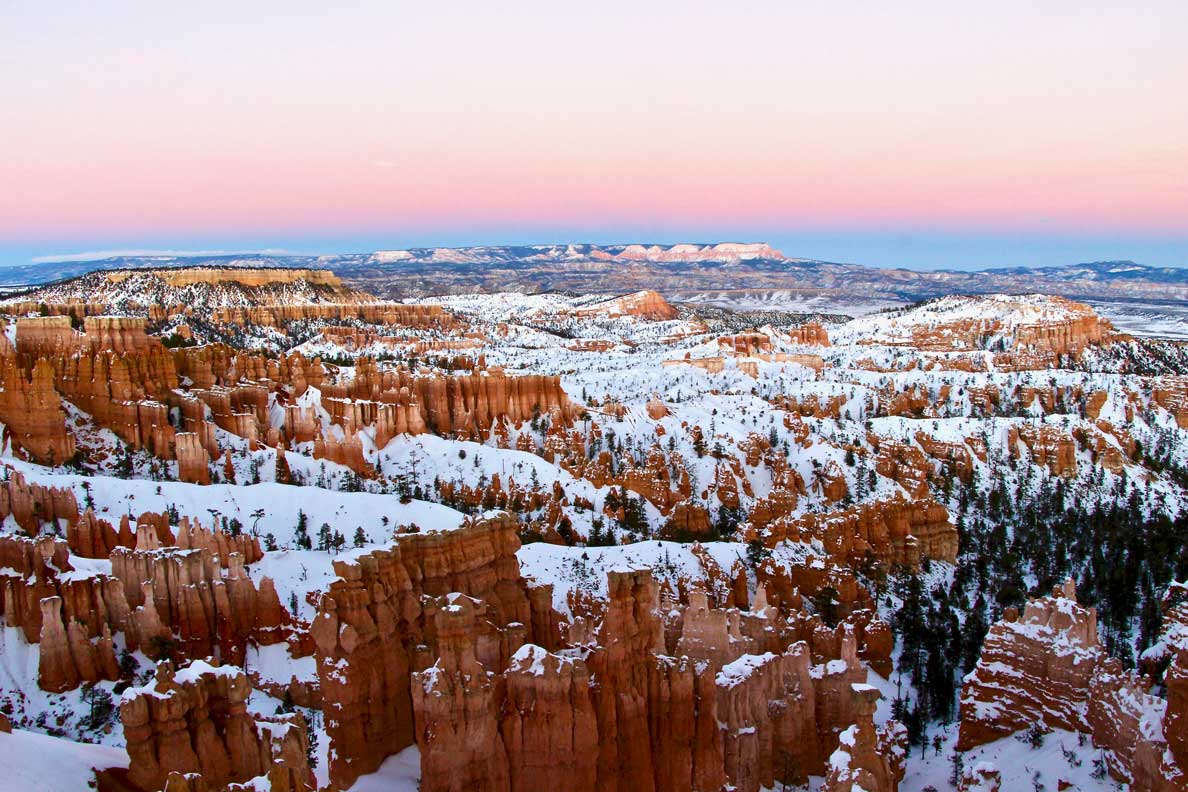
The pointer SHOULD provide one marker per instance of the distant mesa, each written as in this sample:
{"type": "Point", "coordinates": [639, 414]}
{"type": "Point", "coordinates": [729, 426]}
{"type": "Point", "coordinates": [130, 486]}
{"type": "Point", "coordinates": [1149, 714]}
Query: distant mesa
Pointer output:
{"type": "Point", "coordinates": [244, 276]}
{"type": "Point", "coordinates": [645, 304]}
{"type": "Point", "coordinates": [723, 252]}
{"type": "Point", "coordinates": [194, 288]}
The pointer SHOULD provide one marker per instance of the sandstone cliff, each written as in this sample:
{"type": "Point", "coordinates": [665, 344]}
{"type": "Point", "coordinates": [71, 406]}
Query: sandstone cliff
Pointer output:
{"type": "Point", "coordinates": [1047, 668]}
{"type": "Point", "coordinates": [196, 722]}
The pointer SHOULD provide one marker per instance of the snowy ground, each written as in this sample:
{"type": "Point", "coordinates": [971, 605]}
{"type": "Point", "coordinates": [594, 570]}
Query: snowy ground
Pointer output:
{"type": "Point", "coordinates": [1148, 319]}
{"type": "Point", "coordinates": [731, 407]}
{"type": "Point", "coordinates": [1064, 757]}
{"type": "Point", "coordinates": [31, 761]}
{"type": "Point", "coordinates": [399, 773]}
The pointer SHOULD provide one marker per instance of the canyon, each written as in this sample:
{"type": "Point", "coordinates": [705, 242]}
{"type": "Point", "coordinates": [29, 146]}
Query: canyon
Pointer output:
{"type": "Point", "coordinates": [261, 529]}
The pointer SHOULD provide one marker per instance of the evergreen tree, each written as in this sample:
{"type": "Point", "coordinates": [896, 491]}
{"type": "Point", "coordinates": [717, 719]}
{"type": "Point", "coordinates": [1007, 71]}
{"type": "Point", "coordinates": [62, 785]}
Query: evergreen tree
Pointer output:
{"type": "Point", "coordinates": [301, 535]}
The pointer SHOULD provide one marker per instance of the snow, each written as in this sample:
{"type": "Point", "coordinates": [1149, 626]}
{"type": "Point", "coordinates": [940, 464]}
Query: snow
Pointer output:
{"type": "Point", "coordinates": [731, 407]}
{"type": "Point", "coordinates": [584, 569]}
{"type": "Point", "coordinates": [529, 659]}
{"type": "Point", "coordinates": [29, 706]}
{"type": "Point", "coordinates": [1007, 311]}
{"type": "Point", "coordinates": [32, 761]}
{"type": "Point", "coordinates": [1146, 319]}
{"type": "Point", "coordinates": [399, 773]}
{"type": "Point", "coordinates": [190, 674]}
{"type": "Point", "coordinates": [273, 663]}
{"type": "Point", "coordinates": [739, 671]}
{"type": "Point", "coordinates": [1015, 759]}
{"type": "Point", "coordinates": [280, 504]}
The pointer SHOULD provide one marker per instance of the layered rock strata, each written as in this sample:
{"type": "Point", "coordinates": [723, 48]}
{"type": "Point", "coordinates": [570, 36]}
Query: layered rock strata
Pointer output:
{"type": "Point", "coordinates": [1047, 668]}
{"type": "Point", "coordinates": [196, 722]}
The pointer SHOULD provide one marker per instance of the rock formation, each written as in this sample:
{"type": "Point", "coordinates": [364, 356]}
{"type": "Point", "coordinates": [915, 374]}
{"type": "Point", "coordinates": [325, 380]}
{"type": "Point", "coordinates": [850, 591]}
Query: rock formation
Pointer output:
{"type": "Point", "coordinates": [196, 722]}
{"type": "Point", "coordinates": [372, 618]}
{"type": "Point", "coordinates": [31, 411]}
{"type": "Point", "coordinates": [645, 304]}
{"type": "Point", "coordinates": [896, 531]}
{"type": "Point", "coordinates": [1046, 668]}
{"type": "Point", "coordinates": [867, 760]}
{"type": "Point", "coordinates": [67, 658]}
{"type": "Point", "coordinates": [32, 504]}
{"type": "Point", "coordinates": [185, 593]}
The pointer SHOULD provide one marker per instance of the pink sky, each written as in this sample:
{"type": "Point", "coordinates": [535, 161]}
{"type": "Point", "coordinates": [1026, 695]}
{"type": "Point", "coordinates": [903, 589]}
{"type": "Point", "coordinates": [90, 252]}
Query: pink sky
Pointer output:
{"type": "Point", "coordinates": [145, 120]}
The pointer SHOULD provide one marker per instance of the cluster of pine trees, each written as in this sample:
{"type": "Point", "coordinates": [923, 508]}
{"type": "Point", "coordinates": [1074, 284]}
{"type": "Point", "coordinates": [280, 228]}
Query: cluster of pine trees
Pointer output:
{"type": "Point", "coordinates": [1018, 541]}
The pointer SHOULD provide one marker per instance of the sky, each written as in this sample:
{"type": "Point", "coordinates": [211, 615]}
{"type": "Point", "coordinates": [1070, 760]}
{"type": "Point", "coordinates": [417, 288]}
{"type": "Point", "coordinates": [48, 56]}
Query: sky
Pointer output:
{"type": "Point", "coordinates": [919, 133]}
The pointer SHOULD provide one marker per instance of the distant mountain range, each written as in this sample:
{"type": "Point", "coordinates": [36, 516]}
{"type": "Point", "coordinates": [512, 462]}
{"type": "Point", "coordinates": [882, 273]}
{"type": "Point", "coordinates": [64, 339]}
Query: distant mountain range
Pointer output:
{"type": "Point", "coordinates": [720, 272]}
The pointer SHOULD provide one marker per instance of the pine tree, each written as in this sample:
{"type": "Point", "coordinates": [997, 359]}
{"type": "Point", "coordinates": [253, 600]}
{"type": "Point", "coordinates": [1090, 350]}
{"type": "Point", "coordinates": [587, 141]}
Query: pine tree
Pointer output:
{"type": "Point", "coordinates": [301, 535]}
{"type": "Point", "coordinates": [324, 537]}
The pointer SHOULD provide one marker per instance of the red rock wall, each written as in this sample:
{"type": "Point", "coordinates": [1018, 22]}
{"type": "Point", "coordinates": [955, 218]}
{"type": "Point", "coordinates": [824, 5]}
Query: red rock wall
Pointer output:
{"type": "Point", "coordinates": [198, 723]}
{"type": "Point", "coordinates": [1047, 667]}
{"type": "Point", "coordinates": [212, 612]}
{"type": "Point", "coordinates": [32, 504]}
{"type": "Point", "coordinates": [372, 618]}
{"type": "Point", "coordinates": [621, 715]}
{"type": "Point", "coordinates": [895, 531]}
{"type": "Point", "coordinates": [32, 413]}
{"type": "Point", "coordinates": [867, 760]}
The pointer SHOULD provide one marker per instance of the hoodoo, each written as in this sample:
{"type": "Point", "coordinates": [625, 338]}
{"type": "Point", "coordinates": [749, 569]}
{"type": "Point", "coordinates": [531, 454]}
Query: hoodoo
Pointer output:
{"type": "Point", "coordinates": [291, 536]}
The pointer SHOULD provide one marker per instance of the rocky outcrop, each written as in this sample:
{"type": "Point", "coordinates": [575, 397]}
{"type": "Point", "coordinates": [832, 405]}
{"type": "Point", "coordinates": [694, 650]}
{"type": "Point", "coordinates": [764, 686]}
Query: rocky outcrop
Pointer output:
{"type": "Point", "coordinates": [1047, 668]}
{"type": "Point", "coordinates": [189, 276]}
{"type": "Point", "coordinates": [372, 618]}
{"type": "Point", "coordinates": [867, 759]}
{"type": "Point", "coordinates": [44, 335]}
{"type": "Point", "coordinates": [123, 334]}
{"type": "Point", "coordinates": [457, 705]}
{"type": "Point", "coordinates": [645, 304]}
{"type": "Point", "coordinates": [114, 372]}
{"type": "Point", "coordinates": [196, 722]}
{"type": "Point", "coordinates": [463, 405]}
{"type": "Point", "coordinates": [214, 365]}
{"type": "Point", "coordinates": [1171, 394]}
{"type": "Point", "coordinates": [32, 413]}
{"type": "Point", "coordinates": [437, 641]}
{"type": "Point", "coordinates": [1176, 721]}
{"type": "Point", "coordinates": [809, 334]}
{"type": "Point", "coordinates": [1032, 330]}
{"type": "Point", "coordinates": [368, 311]}
{"type": "Point", "coordinates": [895, 531]}
{"type": "Point", "coordinates": [212, 611]}
{"type": "Point", "coordinates": [31, 504]}
{"type": "Point", "coordinates": [191, 535]}
{"type": "Point", "coordinates": [91, 537]}
{"type": "Point", "coordinates": [745, 344]}
{"type": "Point", "coordinates": [43, 597]}
{"type": "Point", "coordinates": [1034, 667]}
{"type": "Point", "coordinates": [192, 459]}
{"type": "Point", "coordinates": [67, 658]}
{"type": "Point", "coordinates": [767, 706]}
{"type": "Point", "coordinates": [548, 726]}
{"type": "Point", "coordinates": [1050, 447]}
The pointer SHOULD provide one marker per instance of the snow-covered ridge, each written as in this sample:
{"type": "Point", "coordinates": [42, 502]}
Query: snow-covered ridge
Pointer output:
{"type": "Point", "coordinates": [723, 252]}
{"type": "Point", "coordinates": [203, 288]}
{"type": "Point", "coordinates": [993, 313]}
